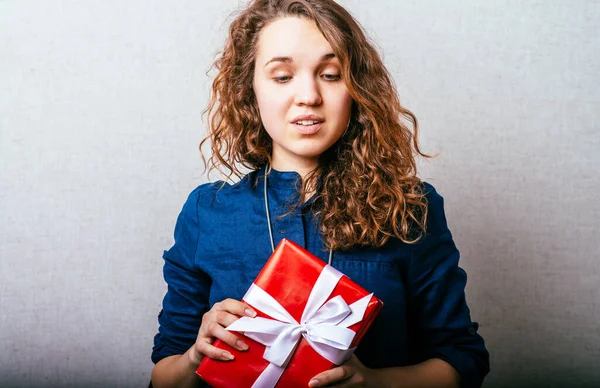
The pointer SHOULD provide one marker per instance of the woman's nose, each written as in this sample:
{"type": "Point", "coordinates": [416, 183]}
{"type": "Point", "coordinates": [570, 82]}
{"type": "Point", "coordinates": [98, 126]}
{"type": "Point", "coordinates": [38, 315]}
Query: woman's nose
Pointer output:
{"type": "Point", "coordinates": [307, 92]}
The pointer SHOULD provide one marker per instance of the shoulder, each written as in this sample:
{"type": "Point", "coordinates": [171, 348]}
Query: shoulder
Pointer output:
{"type": "Point", "coordinates": [435, 201]}
{"type": "Point", "coordinates": [220, 193]}
{"type": "Point", "coordinates": [436, 216]}
{"type": "Point", "coordinates": [433, 197]}
{"type": "Point", "coordinates": [436, 250]}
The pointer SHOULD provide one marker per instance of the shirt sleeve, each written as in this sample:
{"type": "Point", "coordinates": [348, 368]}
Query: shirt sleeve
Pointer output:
{"type": "Point", "coordinates": [188, 288]}
{"type": "Point", "coordinates": [439, 318]}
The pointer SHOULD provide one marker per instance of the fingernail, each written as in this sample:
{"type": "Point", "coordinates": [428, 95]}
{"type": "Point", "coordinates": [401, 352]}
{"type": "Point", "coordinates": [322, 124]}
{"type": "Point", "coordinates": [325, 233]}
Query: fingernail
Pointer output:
{"type": "Point", "coordinates": [250, 313]}
{"type": "Point", "coordinates": [241, 345]}
{"type": "Point", "coordinates": [313, 382]}
{"type": "Point", "coordinates": [227, 355]}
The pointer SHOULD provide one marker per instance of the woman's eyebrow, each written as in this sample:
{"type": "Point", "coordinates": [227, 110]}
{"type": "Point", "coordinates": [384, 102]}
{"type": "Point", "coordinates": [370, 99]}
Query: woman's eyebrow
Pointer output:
{"type": "Point", "coordinates": [324, 58]}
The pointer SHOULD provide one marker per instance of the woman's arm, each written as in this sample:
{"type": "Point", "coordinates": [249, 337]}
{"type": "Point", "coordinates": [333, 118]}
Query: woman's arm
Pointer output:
{"type": "Point", "coordinates": [431, 373]}
{"type": "Point", "coordinates": [179, 370]}
{"type": "Point", "coordinates": [184, 304]}
{"type": "Point", "coordinates": [176, 371]}
{"type": "Point", "coordinates": [439, 319]}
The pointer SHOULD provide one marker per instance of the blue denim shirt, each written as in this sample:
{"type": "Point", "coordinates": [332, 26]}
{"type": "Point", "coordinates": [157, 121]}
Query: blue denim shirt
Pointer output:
{"type": "Point", "coordinates": [222, 242]}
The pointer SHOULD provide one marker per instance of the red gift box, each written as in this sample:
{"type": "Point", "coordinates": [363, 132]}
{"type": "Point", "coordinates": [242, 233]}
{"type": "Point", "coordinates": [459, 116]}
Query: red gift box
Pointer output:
{"type": "Point", "coordinates": [289, 277]}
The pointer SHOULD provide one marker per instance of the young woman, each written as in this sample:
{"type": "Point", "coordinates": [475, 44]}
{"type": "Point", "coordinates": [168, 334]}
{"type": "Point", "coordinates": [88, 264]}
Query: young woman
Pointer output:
{"type": "Point", "coordinates": [303, 99]}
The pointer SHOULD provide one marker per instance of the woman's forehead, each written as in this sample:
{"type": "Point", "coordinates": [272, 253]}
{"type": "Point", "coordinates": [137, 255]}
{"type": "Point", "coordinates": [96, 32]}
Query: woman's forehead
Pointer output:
{"type": "Point", "coordinates": [292, 38]}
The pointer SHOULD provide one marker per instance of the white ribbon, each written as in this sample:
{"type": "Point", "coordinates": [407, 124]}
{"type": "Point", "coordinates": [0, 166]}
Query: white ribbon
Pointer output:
{"type": "Point", "coordinates": [323, 325]}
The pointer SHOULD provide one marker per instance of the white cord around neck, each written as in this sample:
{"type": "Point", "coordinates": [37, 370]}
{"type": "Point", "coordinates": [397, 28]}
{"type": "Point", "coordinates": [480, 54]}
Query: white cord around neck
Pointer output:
{"type": "Point", "coordinates": [267, 172]}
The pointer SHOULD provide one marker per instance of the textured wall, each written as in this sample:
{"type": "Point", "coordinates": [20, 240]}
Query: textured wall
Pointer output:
{"type": "Point", "coordinates": [100, 109]}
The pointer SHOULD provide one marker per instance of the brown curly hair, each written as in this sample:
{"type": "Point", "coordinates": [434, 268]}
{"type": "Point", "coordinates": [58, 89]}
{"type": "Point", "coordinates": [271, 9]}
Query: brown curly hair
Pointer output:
{"type": "Point", "coordinates": [366, 183]}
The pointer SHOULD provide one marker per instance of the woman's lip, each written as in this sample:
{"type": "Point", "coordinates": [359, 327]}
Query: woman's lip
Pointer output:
{"type": "Point", "coordinates": [308, 129]}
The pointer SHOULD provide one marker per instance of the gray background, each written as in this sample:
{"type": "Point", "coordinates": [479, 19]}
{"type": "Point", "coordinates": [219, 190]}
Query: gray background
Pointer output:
{"type": "Point", "coordinates": [100, 117]}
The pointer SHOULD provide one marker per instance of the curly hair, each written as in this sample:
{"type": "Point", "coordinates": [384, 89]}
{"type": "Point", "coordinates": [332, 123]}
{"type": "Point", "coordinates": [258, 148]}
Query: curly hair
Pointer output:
{"type": "Point", "coordinates": [366, 184]}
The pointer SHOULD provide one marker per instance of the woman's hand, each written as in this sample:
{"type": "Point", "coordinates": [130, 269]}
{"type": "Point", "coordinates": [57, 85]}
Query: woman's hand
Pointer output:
{"type": "Point", "coordinates": [352, 373]}
{"type": "Point", "coordinates": [214, 321]}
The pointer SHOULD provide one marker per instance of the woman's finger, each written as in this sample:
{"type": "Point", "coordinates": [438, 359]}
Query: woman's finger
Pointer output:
{"type": "Point", "coordinates": [236, 307]}
{"type": "Point", "coordinates": [225, 318]}
{"type": "Point", "coordinates": [221, 315]}
{"type": "Point", "coordinates": [211, 351]}
{"type": "Point", "coordinates": [357, 380]}
{"type": "Point", "coordinates": [216, 330]}
{"type": "Point", "coordinates": [332, 376]}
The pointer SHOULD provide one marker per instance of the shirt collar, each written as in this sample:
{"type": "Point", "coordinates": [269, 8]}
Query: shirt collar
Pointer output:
{"type": "Point", "coordinates": [286, 180]}
{"type": "Point", "coordinates": [282, 179]}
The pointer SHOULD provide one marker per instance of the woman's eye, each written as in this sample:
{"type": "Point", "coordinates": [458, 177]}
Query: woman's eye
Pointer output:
{"type": "Point", "coordinates": [331, 77]}
{"type": "Point", "coordinates": [282, 79]}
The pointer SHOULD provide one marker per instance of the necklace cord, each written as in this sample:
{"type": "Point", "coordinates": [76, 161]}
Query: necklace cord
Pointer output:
{"type": "Point", "coordinates": [267, 172]}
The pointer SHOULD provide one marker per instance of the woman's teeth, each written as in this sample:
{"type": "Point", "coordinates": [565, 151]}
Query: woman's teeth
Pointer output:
{"type": "Point", "coordinates": [305, 122]}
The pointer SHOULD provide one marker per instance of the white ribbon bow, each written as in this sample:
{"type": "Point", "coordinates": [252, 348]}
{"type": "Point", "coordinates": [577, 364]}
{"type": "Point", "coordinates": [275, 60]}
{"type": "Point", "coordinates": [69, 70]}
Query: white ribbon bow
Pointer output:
{"type": "Point", "coordinates": [323, 325]}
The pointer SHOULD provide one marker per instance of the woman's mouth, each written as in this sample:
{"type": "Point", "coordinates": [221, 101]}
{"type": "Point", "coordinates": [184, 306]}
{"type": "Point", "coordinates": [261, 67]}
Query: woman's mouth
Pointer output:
{"type": "Point", "coordinates": [308, 127]}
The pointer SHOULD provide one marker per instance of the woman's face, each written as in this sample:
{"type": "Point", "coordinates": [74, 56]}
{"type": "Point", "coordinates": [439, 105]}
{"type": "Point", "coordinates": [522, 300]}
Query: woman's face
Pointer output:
{"type": "Point", "coordinates": [304, 104]}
